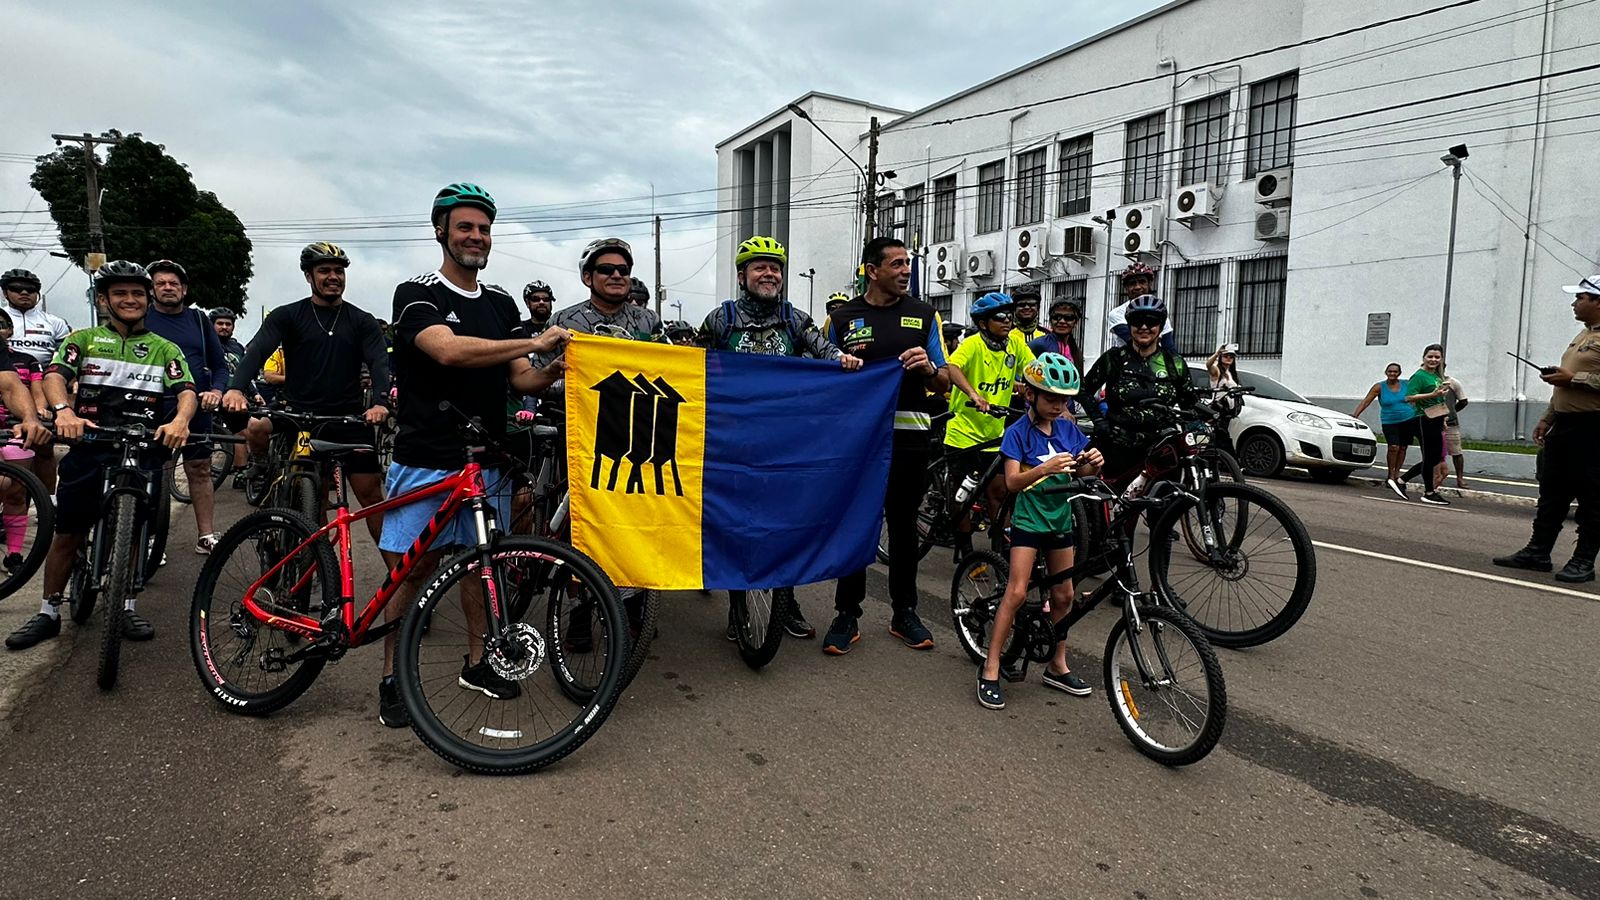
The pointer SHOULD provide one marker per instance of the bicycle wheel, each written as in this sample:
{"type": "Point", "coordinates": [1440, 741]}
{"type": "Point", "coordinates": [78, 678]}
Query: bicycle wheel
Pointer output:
{"type": "Point", "coordinates": [304, 496]}
{"type": "Point", "coordinates": [642, 608]}
{"type": "Point", "coordinates": [758, 623]}
{"type": "Point", "coordinates": [1223, 464]}
{"type": "Point", "coordinates": [1219, 466]}
{"type": "Point", "coordinates": [504, 718]}
{"type": "Point", "coordinates": [1165, 687]}
{"type": "Point", "coordinates": [1258, 577]}
{"type": "Point", "coordinates": [119, 585]}
{"type": "Point", "coordinates": [82, 586]}
{"type": "Point", "coordinates": [29, 524]}
{"type": "Point", "coordinates": [178, 485]}
{"type": "Point", "coordinates": [221, 464]}
{"type": "Point", "coordinates": [975, 594]}
{"type": "Point", "coordinates": [160, 521]}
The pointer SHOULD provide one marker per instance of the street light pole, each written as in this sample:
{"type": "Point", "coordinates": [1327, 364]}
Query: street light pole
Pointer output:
{"type": "Point", "coordinates": [1453, 160]}
{"type": "Point", "coordinates": [810, 275]}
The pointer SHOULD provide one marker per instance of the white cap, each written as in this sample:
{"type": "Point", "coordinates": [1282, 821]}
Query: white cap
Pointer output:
{"type": "Point", "coordinates": [1231, 348]}
{"type": "Point", "coordinates": [1590, 285]}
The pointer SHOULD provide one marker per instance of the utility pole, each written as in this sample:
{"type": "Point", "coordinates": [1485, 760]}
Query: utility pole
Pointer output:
{"type": "Point", "coordinates": [96, 256]}
{"type": "Point", "coordinates": [1453, 160]}
{"type": "Point", "coordinates": [872, 180]}
{"type": "Point", "coordinates": [658, 267]}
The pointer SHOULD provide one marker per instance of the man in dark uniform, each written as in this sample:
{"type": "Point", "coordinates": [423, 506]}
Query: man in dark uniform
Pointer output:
{"type": "Point", "coordinates": [1570, 434]}
{"type": "Point", "coordinates": [888, 323]}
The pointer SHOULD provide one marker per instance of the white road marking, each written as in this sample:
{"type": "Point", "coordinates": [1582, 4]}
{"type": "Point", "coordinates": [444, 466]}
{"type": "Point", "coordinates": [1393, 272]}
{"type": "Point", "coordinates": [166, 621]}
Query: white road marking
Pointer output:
{"type": "Point", "coordinates": [1415, 503]}
{"type": "Point", "coordinates": [1477, 478]}
{"type": "Point", "coordinates": [1484, 576]}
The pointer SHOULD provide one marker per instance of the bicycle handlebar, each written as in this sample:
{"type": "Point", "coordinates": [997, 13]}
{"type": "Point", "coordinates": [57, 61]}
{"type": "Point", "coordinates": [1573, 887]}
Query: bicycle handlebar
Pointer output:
{"type": "Point", "coordinates": [266, 412]}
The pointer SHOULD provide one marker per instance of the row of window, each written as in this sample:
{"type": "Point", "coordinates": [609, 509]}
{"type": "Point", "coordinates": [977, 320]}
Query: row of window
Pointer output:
{"type": "Point", "coordinates": [1269, 144]}
{"type": "Point", "coordinates": [1195, 304]}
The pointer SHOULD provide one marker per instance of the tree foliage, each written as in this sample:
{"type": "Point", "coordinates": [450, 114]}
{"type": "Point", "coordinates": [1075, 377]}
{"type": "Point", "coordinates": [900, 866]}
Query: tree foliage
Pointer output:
{"type": "Point", "coordinates": [150, 209]}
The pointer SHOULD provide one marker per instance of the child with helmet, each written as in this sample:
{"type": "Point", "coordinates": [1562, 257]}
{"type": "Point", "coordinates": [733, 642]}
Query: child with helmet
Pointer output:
{"type": "Point", "coordinates": [1043, 449]}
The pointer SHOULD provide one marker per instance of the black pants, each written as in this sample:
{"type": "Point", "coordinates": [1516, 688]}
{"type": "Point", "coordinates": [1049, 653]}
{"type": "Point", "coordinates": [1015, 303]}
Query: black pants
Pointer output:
{"type": "Point", "coordinates": [908, 479]}
{"type": "Point", "coordinates": [1432, 451]}
{"type": "Point", "coordinates": [1570, 471]}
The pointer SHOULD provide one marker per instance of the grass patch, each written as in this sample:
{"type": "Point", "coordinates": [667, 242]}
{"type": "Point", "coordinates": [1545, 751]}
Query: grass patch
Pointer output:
{"type": "Point", "coordinates": [1527, 448]}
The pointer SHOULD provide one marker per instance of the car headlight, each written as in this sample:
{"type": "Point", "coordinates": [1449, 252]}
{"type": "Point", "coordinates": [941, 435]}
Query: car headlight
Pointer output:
{"type": "Point", "coordinates": [1309, 420]}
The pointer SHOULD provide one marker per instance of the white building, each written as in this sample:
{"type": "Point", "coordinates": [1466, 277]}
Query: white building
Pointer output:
{"type": "Point", "coordinates": [1282, 159]}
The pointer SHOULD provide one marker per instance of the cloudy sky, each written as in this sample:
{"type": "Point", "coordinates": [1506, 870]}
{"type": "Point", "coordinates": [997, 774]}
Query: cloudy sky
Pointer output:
{"type": "Point", "coordinates": [338, 120]}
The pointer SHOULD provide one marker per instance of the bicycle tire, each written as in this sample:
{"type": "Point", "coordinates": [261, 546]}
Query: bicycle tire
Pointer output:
{"type": "Point", "coordinates": [40, 515]}
{"type": "Point", "coordinates": [119, 586]}
{"type": "Point", "coordinates": [178, 485]}
{"type": "Point", "coordinates": [81, 588]}
{"type": "Point", "coordinates": [1225, 464]}
{"type": "Point", "coordinates": [160, 523]}
{"type": "Point", "coordinates": [974, 597]}
{"type": "Point", "coordinates": [1160, 623]}
{"type": "Point", "coordinates": [1227, 615]}
{"type": "Point", "coordinates": [759, 636]}
{"type": "Point", "coordinates": [221, 465]}
{"type": "Point", "coordinates": [641, 628]}
{"type": "Point", "coordinates": [305, 496]}
{"type": "Point", "coordinates": [275, 532]}
{"type": "Point", "coordinates": [491, 756]}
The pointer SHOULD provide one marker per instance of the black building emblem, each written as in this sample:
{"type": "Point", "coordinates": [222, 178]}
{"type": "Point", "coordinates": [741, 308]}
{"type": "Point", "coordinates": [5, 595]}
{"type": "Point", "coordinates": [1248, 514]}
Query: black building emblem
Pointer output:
{"type": "Point", "coordinates": [637, 421]}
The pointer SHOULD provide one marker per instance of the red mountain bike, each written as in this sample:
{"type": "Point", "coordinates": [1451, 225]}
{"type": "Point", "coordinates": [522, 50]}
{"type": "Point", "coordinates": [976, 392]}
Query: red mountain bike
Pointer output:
{"type": "Point", "coordinates": [274, 604]}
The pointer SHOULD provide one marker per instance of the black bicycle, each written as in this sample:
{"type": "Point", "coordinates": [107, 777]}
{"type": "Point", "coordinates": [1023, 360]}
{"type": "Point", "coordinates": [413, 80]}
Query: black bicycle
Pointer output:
{"type": "Point", "coordinates": [30, 521]}
{"type": "Point", "coordinates": [113, 562]}
{"type": "Point", "coordinates": [295, 474]}
{"type": "Point", "coordinates": [1161, 677]}
{"type": "Point", "coordinates": [955, 491]}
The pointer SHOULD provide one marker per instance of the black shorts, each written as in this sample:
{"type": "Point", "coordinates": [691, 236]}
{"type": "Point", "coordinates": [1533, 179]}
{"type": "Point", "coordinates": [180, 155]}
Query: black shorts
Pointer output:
{"type": "Point", "coordinates": [341, 433]}
{"type": "Point", "coordinates": [1401, 434]}
{"type": "Point", "coordinates": [80, 485]}
{"type": "Point", "coordinates": [1042, 542]}
{"type": "Point", "coordinates": [197, 450]}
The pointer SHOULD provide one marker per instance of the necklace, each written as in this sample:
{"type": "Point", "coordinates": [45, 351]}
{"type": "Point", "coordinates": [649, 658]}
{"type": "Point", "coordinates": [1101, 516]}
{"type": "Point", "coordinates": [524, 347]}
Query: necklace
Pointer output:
{"type": "Point", "coordinates": [330, 326]}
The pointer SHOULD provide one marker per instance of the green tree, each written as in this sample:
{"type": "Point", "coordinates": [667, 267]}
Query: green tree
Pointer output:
{"type": "Point", "coordinates": [150, 209]}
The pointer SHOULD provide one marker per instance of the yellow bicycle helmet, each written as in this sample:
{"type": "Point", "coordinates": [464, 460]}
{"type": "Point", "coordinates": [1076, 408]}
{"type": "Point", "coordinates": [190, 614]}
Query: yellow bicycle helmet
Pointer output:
{"type": "Point", "coordinates": [760, 247]}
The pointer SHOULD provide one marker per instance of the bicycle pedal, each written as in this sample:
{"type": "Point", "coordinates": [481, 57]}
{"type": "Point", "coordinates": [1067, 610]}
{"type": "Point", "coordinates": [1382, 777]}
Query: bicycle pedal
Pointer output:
{"type": "Point", "coordinates": [1015, 674]}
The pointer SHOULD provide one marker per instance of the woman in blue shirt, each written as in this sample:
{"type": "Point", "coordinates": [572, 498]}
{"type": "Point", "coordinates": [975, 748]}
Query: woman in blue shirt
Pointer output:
{"type": "Point", "coordinates": [1398, 417]}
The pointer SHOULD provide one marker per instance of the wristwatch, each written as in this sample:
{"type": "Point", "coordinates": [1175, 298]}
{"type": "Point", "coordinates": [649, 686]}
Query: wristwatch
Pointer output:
{"type": "Point", "coordinates": [58, 407]}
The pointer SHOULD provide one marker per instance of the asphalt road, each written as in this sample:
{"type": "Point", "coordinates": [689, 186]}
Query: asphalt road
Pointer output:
{"type": "Point", "coordinates": [1423, 731]}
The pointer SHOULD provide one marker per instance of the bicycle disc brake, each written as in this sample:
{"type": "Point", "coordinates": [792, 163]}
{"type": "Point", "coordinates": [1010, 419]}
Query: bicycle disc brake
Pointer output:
{"type": "Point", "coordinates": [520, 653]}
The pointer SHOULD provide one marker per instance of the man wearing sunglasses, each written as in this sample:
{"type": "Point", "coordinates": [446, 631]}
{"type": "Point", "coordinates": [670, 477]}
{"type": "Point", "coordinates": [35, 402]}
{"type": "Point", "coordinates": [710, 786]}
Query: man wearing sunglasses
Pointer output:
{"type": "Point", "coordinates": [1132, 375]}
{"type": "Point", "coordinates": [34, 333]}
{"type": "Point", "coordinates": [1026, 325]}
{"type": "Point", "coordinates": [606, 267]}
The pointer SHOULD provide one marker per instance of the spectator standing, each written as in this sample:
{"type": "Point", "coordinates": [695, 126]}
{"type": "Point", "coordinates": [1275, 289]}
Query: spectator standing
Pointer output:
{"type": "Point", "coordinates": [1398, 419]}
{"type": "Point", "coordinates": [1425, 390]}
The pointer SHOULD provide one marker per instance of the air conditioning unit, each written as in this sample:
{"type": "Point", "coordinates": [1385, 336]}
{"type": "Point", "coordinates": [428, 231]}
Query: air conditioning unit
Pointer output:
{"type": "Point", "coordinates": [980, 263]}
{"type": "Point", "coordinates": [1272, 187]}
{"type": "Point", "coordinates": [1143, 224]}
{"type": "Point", "coordinates": [1030, 247]}
{"type": "Point", "coordinates": [945, 261]}
{"type": "Point", "coordinates": [1195, 202]}
{"type": "Point", "coordinates": [1272, 225]}
{"type": "Point", "coordinates": [1077, 242]}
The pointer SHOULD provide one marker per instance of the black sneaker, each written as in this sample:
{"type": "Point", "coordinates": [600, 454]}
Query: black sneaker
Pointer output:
{"type": "Point", "coordinates": [13, 562]}
{"type": "Point", "coordinates": [391, 711]}
{"type": "Point", "coordinates": [795, 624]}
{"type": "Point", "coordinates": [1068, 682]}
{"type": "Point", "coordinates": [487, 681]}
{"type": "Point", "coordinates": [1398, 486]}
{"type": "Point", "coordinates": [910, 630]}
{"type": "Point", "coordinates": [1433, 498]}
{"type": "Point", "coordinates": [841, 634]}
{"type": "Point", "coordinates": [135, 627]}
{"type": "Point", "coordinates": [1576, 571]}
{"type": "Point", "coordinates": [1529, 557]}
{"type": "Point", "coordinates": [39, 628]}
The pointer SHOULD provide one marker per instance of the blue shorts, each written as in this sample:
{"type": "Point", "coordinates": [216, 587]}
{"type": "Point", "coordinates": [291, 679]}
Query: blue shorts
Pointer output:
{"type": "Point", "coordinates": [403, 524]}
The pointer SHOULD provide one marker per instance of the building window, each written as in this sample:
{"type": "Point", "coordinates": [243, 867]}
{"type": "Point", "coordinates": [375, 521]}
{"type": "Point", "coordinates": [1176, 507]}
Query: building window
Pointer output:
{"type": "Point", "coordinates": [1205, 140]}
{"type": "Point", "coordinates": [916, 217]}
{"type": "Point", "coordinates": [1258, 319]}
{"type": "Point", "coordinates": [1196, 304]}
{"type": "Point", "coordinates": [991, 196]}
{"type": "Point", "coordinates": [1077, 158]}
{"type": "Point", "coordinates": [1075, 291]}
{"type": "Point", "coordinates": [1141, 177]}
{"type": "Point", "coordinates": [1029, 201]}
{"type": "Point", "coordinates": [889, 216]}
{"type": "Point", "coordinates": [944, 209]}
{"type": "Point", "coordinates": [942, 304]}
{"type": "Point", "coordinates": [1272, 111]}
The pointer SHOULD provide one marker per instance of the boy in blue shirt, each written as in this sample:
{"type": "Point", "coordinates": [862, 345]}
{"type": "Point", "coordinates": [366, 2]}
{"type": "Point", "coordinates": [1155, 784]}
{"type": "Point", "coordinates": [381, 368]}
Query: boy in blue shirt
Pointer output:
{"type": "Point", "coordinates": [1045, 448]}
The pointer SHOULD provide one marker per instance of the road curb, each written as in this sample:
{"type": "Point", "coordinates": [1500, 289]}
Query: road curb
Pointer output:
{"type": "Point", "coordinates": [1468, 493]}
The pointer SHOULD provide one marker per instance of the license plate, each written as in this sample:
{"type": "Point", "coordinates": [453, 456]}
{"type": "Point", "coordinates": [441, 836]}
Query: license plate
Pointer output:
{"type": "Point", "coordinates": [1365, 452]}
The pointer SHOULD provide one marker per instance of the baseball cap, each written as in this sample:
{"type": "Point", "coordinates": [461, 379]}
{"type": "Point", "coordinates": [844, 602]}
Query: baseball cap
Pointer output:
{"type": "Point", "coordinates": [1590, 285]}
{"type": "Point", "coordinates": [1231, 348]}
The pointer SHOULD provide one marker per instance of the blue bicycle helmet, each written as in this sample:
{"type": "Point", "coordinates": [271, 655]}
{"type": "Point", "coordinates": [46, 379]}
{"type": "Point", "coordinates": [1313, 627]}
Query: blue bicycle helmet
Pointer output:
{"type": "Point", "coordinates": [989, 304]}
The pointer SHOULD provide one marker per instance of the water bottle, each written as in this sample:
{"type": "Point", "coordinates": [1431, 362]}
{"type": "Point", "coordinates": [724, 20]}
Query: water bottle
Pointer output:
{"type": "Point", "coordinates": [1135, 487]}
{"type": "Point", "coordinates": [968, 485]}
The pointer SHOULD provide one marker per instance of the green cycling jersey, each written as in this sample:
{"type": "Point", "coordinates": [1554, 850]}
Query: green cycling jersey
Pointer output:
{"type": "Point", "coordinates": [121, 380]}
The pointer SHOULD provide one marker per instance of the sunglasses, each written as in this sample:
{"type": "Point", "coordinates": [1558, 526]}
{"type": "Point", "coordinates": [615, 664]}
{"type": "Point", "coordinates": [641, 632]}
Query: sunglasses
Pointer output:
{"type": "Point", "coordinates": [1000, 317]}
{"type": "Point", "coordinates": [1146, 323]}
{"type": "Point", "coordinates": [608, 270]}
{"type": "Point", "coordinates": [21, 289]}
{"type": "Point", "coordinates": [1063, 318]}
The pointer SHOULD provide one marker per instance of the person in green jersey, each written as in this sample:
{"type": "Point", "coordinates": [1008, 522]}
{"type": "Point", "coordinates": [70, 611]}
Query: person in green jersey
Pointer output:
{"type": "Point", "coordinates": [984, 371]}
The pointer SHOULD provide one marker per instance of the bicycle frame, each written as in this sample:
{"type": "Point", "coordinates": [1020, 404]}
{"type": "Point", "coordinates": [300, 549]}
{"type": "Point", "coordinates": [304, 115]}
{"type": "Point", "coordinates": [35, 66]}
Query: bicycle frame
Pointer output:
{"type": "Point", "coordinates": [350, 629]}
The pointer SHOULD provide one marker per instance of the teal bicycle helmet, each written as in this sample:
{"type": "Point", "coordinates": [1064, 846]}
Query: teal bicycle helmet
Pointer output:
{"type": "Point", "coordinates": [1053, 374]}
{"type": "Point", "coordinates": [462, 193]}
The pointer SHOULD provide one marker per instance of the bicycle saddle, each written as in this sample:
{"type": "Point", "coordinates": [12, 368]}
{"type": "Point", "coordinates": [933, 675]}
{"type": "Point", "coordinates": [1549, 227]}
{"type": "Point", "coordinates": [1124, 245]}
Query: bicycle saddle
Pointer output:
{"type": "Point", "coordinates": [331, 447]}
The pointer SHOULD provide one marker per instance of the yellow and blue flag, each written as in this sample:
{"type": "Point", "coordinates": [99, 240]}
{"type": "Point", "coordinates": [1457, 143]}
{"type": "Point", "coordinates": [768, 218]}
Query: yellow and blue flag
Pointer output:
{"type": "Point", "coordinates": [692, 469]}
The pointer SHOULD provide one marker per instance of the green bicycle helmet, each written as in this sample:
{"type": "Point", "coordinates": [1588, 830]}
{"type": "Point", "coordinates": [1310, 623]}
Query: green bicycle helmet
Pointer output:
{"type": "Point", "coordinates": [462, 193]}
{"type": "Point", "coordinates": [760, 247]}
{"type": "Point", "coordinates": [1053, 374]}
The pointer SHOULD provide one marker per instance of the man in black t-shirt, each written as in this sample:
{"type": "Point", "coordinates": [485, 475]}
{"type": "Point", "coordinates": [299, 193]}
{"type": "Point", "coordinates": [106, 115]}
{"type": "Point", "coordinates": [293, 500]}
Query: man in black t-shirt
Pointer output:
{"type": "Point", "coordinates": [541, 301]}
{"type": "Point", "coordinates": [325, 341]}
{"type": "Point", "coordinates": [888, 323]}
{"type": "Point", "coordinates": [457, 340]}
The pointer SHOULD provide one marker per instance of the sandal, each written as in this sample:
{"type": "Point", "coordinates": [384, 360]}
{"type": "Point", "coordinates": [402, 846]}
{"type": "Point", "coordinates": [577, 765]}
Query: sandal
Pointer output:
{"type": "Point", "coordinates": [207, 543]}
{"type": "Point", "coordinates": [989, 694]}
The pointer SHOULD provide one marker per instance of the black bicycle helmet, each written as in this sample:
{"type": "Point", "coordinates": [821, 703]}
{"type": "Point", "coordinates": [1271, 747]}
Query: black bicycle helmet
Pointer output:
{"type": "Point", "coordinates": [322, 252]}
{"type": "Point", "coordinates": [20, 276]}
{"type": "Point", "coordinates": [537, 287]}
{"type": "Point", "coordinates": [120, 271]}
{"type": "Point", "coordinates": [678, 326]}
{"type": "Point", "coordinates": [637, 292]}
{"type": "Point", "coordinates": [166, 265]}
{"type": "Point", "coordinates": [222, 312]}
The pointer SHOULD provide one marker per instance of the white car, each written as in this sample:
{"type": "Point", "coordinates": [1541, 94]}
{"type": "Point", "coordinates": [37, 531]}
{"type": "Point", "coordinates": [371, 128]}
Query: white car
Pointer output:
{"type": "Point", "coordinates": [1278, 428]}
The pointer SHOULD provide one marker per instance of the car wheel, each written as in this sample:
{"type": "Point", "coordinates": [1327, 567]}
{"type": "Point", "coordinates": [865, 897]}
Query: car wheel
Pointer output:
{"type": "Point", "coordinates": [1260, 455]}
{"type": "Point", "coordinates": [1329, 475]}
